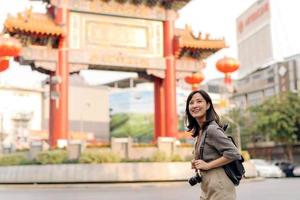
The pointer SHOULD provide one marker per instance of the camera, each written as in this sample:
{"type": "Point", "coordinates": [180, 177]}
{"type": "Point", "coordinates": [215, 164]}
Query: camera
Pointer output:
{"type": "Point", "coordinates": [195, 179]}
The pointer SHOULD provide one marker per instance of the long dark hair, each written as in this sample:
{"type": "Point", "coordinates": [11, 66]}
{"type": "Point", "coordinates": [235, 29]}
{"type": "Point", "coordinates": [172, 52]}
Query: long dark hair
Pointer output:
{"type": "Point", "coordinates": [211, 115]}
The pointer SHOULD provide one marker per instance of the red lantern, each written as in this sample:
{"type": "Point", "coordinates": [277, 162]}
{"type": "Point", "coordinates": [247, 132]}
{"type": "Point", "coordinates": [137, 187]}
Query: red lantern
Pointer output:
{"type": "Point", "coordinates": [195, 79]}
{"type": "Point", "coordinates": [9, 46]}
{"type": "Point", "coordinates": [227, 65]}
{"type": "Point", "coordinates": [4, 63]}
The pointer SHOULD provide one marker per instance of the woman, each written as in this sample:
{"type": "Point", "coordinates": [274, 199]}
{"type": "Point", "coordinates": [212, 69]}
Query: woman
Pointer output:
{"type": "Point", "coordinates": [201, 119]}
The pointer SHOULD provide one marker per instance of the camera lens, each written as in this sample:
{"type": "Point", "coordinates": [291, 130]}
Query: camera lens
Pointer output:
{"type": "Point", "coordinates": [192, 181]}
{"type": "Point", "coordinates": [195, 179]}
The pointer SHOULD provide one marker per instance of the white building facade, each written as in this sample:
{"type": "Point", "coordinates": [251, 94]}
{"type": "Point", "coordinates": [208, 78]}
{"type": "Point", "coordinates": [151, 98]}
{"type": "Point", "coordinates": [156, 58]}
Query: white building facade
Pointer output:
{"type": "Point", "coordinates": [266, 33]}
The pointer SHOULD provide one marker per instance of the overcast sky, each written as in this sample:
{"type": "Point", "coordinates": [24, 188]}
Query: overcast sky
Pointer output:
{"type": "Point", "coordinates": [216, 17]}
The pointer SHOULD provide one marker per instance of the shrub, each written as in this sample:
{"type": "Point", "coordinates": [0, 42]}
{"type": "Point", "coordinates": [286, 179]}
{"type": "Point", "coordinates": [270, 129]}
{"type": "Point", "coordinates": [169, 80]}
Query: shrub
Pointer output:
{"type": "Point", "coordinates": [99, 157]}
{"type": "Point", "coordinates": [176, 158]}
{"type": "Point", "coordinates": [142, 159]}
{"type": "Point", "coordinates": [52, 157]}
{"type": "Point", "coordinates": [13, 159]}
{"type": "Point", "coordinates": [159, 156]}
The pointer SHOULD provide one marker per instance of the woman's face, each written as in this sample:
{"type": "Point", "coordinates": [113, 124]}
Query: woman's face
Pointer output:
{"type": "Point", "coordinates": [198, 106]}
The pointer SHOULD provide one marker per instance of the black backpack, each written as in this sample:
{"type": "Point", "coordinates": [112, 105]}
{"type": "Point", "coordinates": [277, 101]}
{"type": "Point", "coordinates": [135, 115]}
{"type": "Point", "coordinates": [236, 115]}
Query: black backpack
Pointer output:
{"type": "Point", "coordinates": [235, 169]}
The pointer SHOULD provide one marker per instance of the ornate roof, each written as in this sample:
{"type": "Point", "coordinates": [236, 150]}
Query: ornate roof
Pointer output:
{"type": "Point", "coordinates": [197, 47]}
{"type": "Point", "coordinates": [34, 23]}
{"type": "Point", "coordinates": [167, 4]}
{"type": "Point", "coordinates": [28, 23]}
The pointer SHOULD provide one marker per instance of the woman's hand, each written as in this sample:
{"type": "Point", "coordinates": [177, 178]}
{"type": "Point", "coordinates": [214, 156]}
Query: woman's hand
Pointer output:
{"type": "Point", "coordinates": [201, 164]}
{"type": "Point", "coordinates": [193, 164]}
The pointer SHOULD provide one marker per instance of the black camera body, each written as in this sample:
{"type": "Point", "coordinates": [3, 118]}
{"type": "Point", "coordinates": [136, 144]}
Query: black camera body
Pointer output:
{"type": "Point", "coordinates": [195, 179]}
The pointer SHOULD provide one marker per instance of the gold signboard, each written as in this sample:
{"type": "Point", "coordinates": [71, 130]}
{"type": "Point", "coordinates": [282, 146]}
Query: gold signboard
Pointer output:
{"type": "Point", "coordinates": [116, 35]}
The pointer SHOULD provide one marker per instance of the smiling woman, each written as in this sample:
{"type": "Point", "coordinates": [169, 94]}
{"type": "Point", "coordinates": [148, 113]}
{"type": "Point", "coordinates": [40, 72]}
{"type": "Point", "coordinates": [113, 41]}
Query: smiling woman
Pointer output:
{"type": "Point", "coordinates": [213, 149]}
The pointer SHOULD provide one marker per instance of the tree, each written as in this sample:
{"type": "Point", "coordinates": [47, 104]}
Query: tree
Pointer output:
{"type": "Point", "coordinates": [279, 118]}
{"type": "Point", "coordinates": [241, 118]}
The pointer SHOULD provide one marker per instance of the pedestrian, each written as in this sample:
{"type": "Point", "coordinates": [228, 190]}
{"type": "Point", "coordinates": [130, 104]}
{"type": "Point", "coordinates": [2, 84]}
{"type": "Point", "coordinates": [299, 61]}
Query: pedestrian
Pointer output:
{"type": "Point", "coordinates": [201, 118]}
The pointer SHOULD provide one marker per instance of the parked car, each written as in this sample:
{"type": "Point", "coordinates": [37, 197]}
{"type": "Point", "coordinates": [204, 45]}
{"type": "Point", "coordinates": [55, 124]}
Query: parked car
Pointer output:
{"type": "Point", "coordinates": [286, 166]}
{"type": "Point", "coordinates": [296, 171]}
{"type": "Point", "coordinates": [266, 169]}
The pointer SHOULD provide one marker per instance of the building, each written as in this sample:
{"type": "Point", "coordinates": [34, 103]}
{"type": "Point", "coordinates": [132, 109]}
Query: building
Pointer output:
{"type": "Point", "coordinates": [265, 82]}
{"type": "Point", "coordinates": [88, 109]}
{"type": "Point", "coordinates": [266, 34]}
{"type": "Point", "coordinates": [20, 111]}
{"type": "Point", "coordinates": [24, 113]}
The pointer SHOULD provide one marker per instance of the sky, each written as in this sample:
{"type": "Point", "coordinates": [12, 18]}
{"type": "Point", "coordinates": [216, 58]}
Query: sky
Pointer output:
{"type": "Point", "coordinates": [216, 17]}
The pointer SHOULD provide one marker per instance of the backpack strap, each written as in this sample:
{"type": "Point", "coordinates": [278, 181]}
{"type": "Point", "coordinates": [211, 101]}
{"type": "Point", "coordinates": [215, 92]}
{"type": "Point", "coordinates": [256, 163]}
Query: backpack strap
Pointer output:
{"type": "Point", "coordinates": [203, 143]}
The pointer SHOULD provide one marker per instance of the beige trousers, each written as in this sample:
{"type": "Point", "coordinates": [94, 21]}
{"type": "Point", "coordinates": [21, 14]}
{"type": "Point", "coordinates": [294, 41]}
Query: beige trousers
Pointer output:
{"type": "Point", "coordinates": [216, 185]}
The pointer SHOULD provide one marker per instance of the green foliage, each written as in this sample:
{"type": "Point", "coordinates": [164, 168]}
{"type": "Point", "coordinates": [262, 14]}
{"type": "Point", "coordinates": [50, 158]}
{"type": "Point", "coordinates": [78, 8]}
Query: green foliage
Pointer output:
{"type": "Point", "coordinates": [279, 118]}
{"type": "Point", "coordinates": [181, 126]}
{"type": "Point", "coordinates": [176, 158]}
{"type": "Point", "coordinates": [138, 126]}
{"type": "Point", "coordinates": [118, 120]}
{"type": "Point", "coordinates": [13, 159]}
{"type": "Point", "coordinates": [243, 119]}
{"type": "Point", "coordinates": [99, 157]}
{"type": "Point", "coordinates": [52, 157]}
{"type": "Point", "coordinates": [90, 155]}
{"type": "Point", "coordinates": [136, 160]}
{"type": "Point", "coordinates": [159, 156]}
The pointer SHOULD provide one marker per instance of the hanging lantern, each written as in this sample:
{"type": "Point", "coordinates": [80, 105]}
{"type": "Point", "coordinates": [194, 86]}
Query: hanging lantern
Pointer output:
{"type": "Point", "coordinates": [9, 46]}
{"type": "Point", "coordinates": [227, 65]}
{"type": "Point", "coordinates": [195, 79]}
{"type": "Point", "coordinates": [4, 63]}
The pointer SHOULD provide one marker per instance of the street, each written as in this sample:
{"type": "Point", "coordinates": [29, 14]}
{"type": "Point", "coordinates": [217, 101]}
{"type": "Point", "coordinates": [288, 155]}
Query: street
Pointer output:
{"type": "Point", "coordinates": [273, 189]}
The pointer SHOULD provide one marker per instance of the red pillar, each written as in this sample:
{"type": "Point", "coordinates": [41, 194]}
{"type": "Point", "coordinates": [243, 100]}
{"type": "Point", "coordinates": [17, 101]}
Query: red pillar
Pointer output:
{"type": "Point", "coordinates": [170, 80]}
{"type": "Point", "coordinates": [159, 108]}
{"type": "Point", "coordinates": [52, 111]}
{"type": "Point", "coordinates": [59, 107]}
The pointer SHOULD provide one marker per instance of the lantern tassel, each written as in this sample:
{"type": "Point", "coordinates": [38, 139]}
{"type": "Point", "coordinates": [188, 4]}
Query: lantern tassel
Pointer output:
{"type": "Point", "coordinates": [227, 79]}
{"type": "Point", "coordinates": [195, 87]}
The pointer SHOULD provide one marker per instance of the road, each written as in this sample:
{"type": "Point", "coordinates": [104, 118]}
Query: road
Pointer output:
{"type": "Point", "coordinates": [273, 189]}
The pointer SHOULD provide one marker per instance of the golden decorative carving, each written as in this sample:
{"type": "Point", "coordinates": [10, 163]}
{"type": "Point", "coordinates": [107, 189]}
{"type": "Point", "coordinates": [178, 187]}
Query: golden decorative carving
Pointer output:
{"type": "Point", "coordinates": [117, 9]}
{"type": "Point", "coordinates": [187, 39]}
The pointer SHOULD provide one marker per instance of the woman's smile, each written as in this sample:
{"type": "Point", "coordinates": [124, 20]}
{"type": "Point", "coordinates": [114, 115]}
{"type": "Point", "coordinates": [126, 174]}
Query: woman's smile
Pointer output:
{"type": "Point", "coordinates": [197, 106]}
{"type": "Point", "coordinates": [195, 110]}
